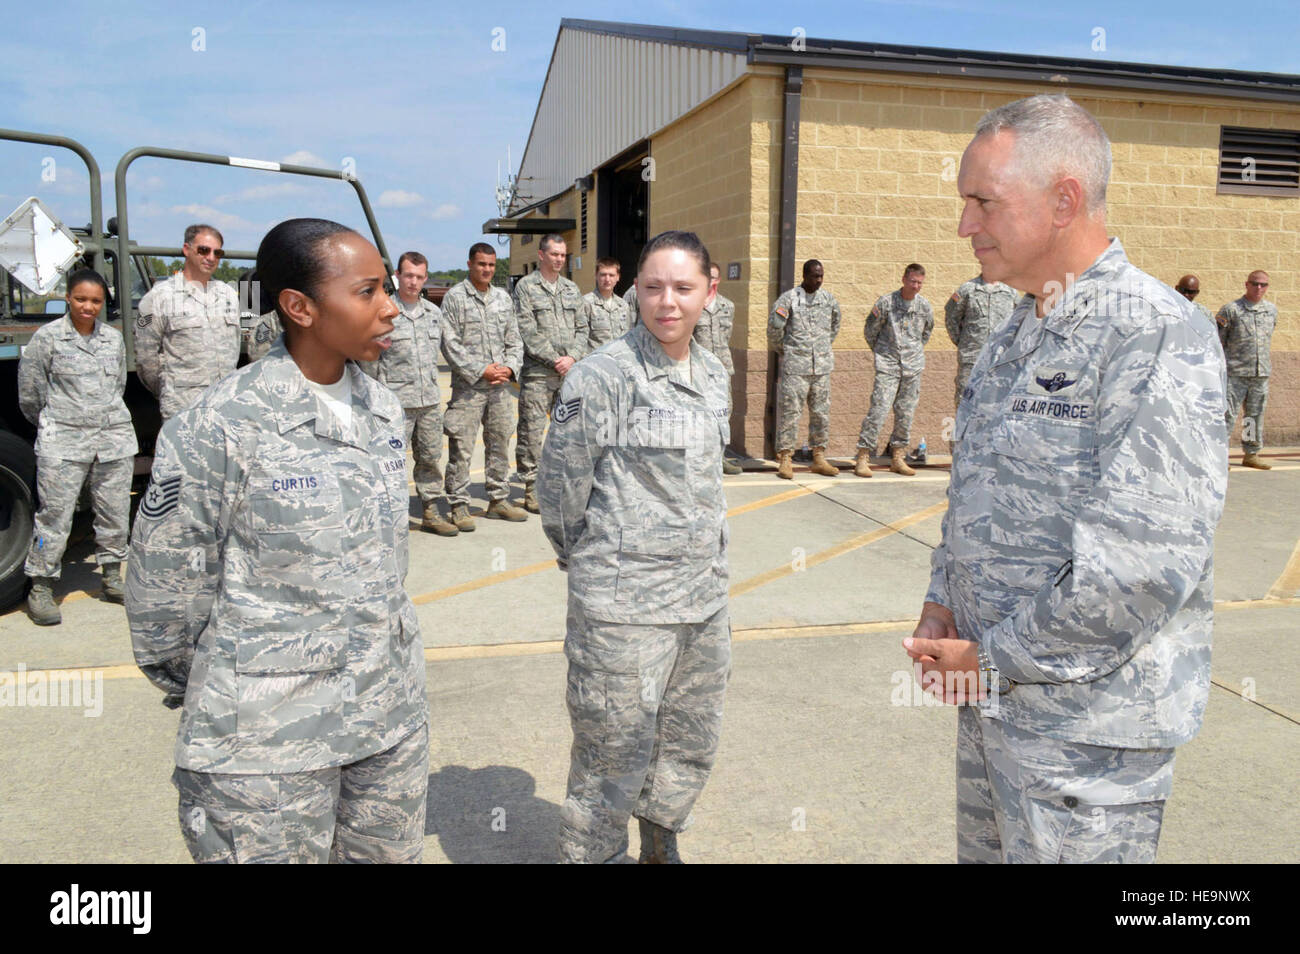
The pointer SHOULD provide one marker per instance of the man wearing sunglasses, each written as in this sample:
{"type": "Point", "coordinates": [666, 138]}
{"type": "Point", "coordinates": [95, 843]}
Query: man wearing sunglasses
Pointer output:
{"type": "Point", "coordinates": [187, 334]}
{"type": "Point", "coordinates": [1189, 286]}
{"type": "Point", "coordinates": [1246, 330]}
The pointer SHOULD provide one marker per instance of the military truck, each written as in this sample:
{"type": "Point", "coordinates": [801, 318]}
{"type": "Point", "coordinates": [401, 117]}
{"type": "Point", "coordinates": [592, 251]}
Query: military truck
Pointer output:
{"type": "Point", "coordinates": [26, 304]}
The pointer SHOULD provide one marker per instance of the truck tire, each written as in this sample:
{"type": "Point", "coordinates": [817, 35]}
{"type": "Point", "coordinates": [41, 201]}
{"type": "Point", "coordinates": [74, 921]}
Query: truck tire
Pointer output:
{"type": "Point", "coordinates": [17, 514]}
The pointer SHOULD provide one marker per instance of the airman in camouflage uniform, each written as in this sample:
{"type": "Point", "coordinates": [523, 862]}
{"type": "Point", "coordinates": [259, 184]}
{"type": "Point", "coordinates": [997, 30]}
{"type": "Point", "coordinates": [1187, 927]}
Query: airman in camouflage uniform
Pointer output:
{"type": "Point", "coordinates": [897, 330]}
{"type": "Point", "coordinates": [480, 339]}
{"type": "Point", "coordinates": [633, 310]}
{"type": "Point", "coordinates": [603, 315]}
{"type": "Point", "coordinates": [713, 332]}
{"type": "Point", "coordinates": [1246, 333]}
{"type": "Point", "coordinates": [187, 335]}
{"type": "Point", "coordinates": [265, 590]}
{"type": "Point", "coordinates": [266, 330]}
{"type": "Point", "coordinates": [802, 329]}
{"type": "Point", "coordinates": [1071, 596]}
{"type": "Point", "coordinates": [632, 502]}
{"type": "Point", "coordinates": [70, 386]}
{"type": "Point", "coordinates": [410, 370]}
{"type": "Point", "coordinates": [546, 306]}
{"type": "Point", "coordinates": [971, 314]}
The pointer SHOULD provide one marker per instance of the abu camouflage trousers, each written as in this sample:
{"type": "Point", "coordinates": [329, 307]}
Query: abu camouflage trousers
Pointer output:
{"type": "Point", "coordinates": [468, 409]}
{"type": "Point", "coordinates": [645, 702]}
{"type": "Point", "coordinates": [1025, 798]}
{"type": "Point", "coordinates": [424, 438]}
{"type": "Point", "coordinates": [1253, 393]}
{"type": "Point", "coordinates": [368, 811]}
{"type": "Point", "coordinates": [58, 483]}
{"type": "Point", "coordinates": [536, 398]}
{"type": "Point", "coordinates": [793, 390]}
{"type": "Point", "coordinates": [890, 389]}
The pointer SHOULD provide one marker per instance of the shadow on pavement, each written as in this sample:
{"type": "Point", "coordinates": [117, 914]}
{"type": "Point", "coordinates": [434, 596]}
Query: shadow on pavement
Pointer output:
{"type": "Point", "coordinates": [490, 815]}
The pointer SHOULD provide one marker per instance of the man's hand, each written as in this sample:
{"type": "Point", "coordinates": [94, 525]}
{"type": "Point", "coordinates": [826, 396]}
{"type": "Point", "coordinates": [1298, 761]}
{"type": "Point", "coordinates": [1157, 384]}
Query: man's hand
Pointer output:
{"type": "Point", "coordinates": [950, 667]}
{"type": "Point", "coordinates": [496, 374]}
{"type": "Point", "coordinates": [563, 364]}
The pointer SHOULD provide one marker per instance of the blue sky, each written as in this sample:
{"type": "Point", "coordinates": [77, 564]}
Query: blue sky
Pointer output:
{"type": "Point", "coordinates": [415, 96]}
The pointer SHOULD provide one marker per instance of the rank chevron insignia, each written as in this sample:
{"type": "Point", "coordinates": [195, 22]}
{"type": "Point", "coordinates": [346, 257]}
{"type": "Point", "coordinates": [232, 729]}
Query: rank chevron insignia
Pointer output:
{"type": "Point", "coordinates": [566, 410]}
{"type": "Point", "coordinates": [160, 499]}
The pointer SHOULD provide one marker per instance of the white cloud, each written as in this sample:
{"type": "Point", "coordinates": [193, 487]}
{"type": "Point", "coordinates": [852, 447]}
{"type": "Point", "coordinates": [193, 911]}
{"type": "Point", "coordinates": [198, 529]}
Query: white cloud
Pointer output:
{"type": "Point", "coordinates": [222, 220]}
{"type": "Point", "coordinates": [445, 211]}
{"type": "Point", "coordinates": [398, 199]}
{"type": "Point", "coordinates": [261, 192]}
{"type": "Point", "coordinates": [304, 158]}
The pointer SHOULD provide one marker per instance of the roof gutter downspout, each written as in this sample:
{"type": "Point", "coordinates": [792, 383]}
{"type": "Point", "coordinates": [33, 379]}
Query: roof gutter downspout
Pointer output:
{"type": "Point", "coordinates": [789, 220]}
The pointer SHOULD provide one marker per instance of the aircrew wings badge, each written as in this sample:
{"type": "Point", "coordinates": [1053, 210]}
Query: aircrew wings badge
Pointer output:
{"type": "Point", "coordinates": [566, 410]}
{"type": "Point", "coordinates": [161, 497]}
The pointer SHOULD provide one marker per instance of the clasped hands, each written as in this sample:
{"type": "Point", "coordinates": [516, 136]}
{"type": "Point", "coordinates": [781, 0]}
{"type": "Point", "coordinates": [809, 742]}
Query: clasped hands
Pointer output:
{"type": "Point", "coordinates": [950, 667]}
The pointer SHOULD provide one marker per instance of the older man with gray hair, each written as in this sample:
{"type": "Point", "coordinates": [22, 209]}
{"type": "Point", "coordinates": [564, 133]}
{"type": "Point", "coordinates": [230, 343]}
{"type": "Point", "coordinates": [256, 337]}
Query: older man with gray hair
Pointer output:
{"type": "Point", "coordinates": [1071, 598]}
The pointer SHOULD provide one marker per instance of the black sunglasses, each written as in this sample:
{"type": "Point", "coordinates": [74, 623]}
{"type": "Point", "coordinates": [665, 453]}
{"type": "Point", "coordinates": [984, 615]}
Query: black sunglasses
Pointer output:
{"type": "Point", "coordinates": [204, 251]}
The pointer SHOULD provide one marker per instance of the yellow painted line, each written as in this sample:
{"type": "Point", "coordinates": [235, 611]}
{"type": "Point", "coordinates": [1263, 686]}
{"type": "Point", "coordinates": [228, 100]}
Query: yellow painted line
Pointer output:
{"type": "Point", "coordinates": [1266, 603]}
{"type": "Point", "coordinates": [493, 651]}
{"type": "Point", "coordinates": [848, 546]}
{"type": "Point", "coordinates": [815, 632]}
{"type": "Point", "coordinates": [1288, 584]}
{"type": "Point", "coordinates": [769, 501]}
{"type": "Point", "coordinates": [481, 582]}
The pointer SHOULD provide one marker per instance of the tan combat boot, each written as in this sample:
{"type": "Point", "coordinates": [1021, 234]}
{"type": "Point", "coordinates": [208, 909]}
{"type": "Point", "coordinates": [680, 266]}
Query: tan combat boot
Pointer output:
{"type": "Point", "coordinates": [460, 516]}
{"type": "Point", "coordinates": [821, 465]}
{"type": "Point", "coordinates": [40, 602]}
{"type": "Point", "coordinates": [862, 466]}
{"type": "Point", "coordinates": [730, 468]}
{"type": "Point", "coordinates": [112, 573]}
{"type": "Point", "coordinates": [1252, 460]}
{"type": "Point", "coordinates": [437, 523]}
{"type": "Point", "coordinates": [658, 845]}
{"type": "Point", "coordinates": [785, 466]}
{"type": "Point", "coordinates": [897, 464]}
{"type": "Point", "coordinates": [530, 499]}
{"type": "Point", "coordinates": [505, 510]}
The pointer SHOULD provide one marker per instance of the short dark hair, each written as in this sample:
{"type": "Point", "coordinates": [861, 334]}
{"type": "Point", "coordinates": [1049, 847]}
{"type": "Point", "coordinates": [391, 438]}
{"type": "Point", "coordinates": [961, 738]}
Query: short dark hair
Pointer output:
{"type": "Point", "coordinates": [481, 248]}
{"type": "Point", "coordinates": [415, 258]}
{"type": "Point", "coordinates": [808, 265]}
{"type": "Point", "coordinates": [609, 262]}
{"type": "Point", "coordinates": [550, 239]}
{"type": "Point", "coordinates": [914, 267]}
{"type": "Point", "coordinates": [290, 257]}
{"type": "Point", "coordinates": [83, 275]}
{"type": "Point", "coordinates": [192, 231]}
{"type": "Point", "coordinates": [688, 242]}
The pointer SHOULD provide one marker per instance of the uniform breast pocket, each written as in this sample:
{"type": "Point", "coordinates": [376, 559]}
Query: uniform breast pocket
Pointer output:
{"type": "Point", "coordinates": [298, 521]}
{"type": "Point", "coordinates": [658, 437]}
{"type": "Point", "coordinates": [290, 685]}
{"type": "Point", "coordinates": [74, 367]}
{"type": "Point", "coordinates": [186, 331]}
{"type": "Point", "coordinates": [646, 558]}
{"type": "Point", "coordinates": [1044, 470]}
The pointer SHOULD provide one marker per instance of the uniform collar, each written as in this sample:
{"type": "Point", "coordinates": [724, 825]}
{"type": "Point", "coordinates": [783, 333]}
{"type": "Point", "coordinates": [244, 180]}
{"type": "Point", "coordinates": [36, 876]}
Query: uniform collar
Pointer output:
{"type": "Point", "coordinates": [297, 403]}
{"type": "Point", "coordinates": [657, 364]}
{"type": "Point", "coordinates": [1256, 306]}
{"type": "Point", "coordinates": [474, 292]}
{"type": "Point", "coordinates": [1081, 299]}
{"type": "Point", "coordinates": [66, 330]}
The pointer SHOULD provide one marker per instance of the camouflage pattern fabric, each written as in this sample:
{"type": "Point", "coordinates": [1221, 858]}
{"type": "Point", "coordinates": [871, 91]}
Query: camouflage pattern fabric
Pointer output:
{"type": "Point", "coordinates": [630, 485]}
{"type": "Point", "coordinates": [187, 337]}
{"type": "Point", "coordinates": [71, 388]}
{"type": "Point", "coordinates": [478, 329]}
{"type": "Point", "coordinates": [1253, 394]}
{"type": "Point", "coordinates": [713, 331]}
{"type": "Point", "coordinates": [645, 703]}
{"type": "Point", "coordinates": [889, 390]}
{"type": "Point", "coordinates": [409, 368]}
{"type": "Point", "coordinates": [802, 329]}
{"type": "Point", "coordinates": [370, 811]}
{"type": "Point", "coordinates": [792, 391]}
{"type": "Point", "coordinates": [973, 311]}
{"type": "Point", "coordinates": [547, 316]}
{"type": "Point", "coordinates": [897, 331]}
{"type": "Point", "coordinates": [1246, 332]}
{"type": "Point", "coordinates": [1078, 544]}
{"type": "Point", "coordinates": [1202, 310]}
{"type": "Point", "coordinates": [59, 483]}
{"type": "Point", "coordinates": [266, 331]}
{"type": "Point", "coordinates": [599, 322]}
{"type": "Point", "coordinates": [272, 546]}
{"type": "Point", "coordinates": [469, 408]}
{"type": "Point", "coordinates": [633, 309]}
{"type": "Point", "coordinates": [1028, 799]}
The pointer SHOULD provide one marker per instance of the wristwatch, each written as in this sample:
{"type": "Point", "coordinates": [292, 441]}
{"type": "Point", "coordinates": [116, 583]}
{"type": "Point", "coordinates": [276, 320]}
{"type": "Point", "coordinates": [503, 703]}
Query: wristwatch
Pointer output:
{"type": "Point", "coordinates": [994, 681]}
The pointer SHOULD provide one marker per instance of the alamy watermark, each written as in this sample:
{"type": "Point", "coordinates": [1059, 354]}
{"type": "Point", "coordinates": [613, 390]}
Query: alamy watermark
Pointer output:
{"type": "Point", "coordinates": [54, 688]}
